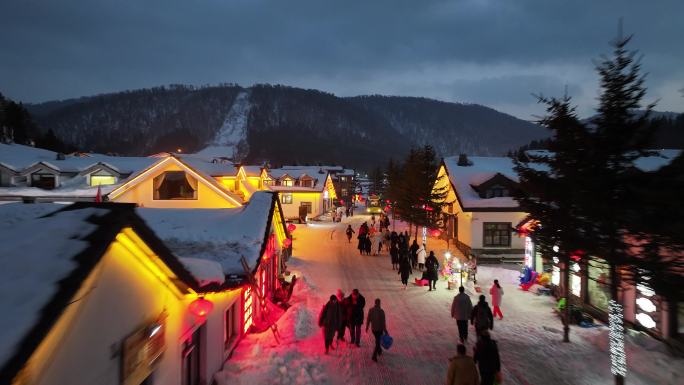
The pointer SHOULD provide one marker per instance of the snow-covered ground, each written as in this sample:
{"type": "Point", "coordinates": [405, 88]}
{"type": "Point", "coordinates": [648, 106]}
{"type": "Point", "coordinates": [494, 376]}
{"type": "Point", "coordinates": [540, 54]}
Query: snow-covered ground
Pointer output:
{"type": "Point", "coordinates": [425, 336]}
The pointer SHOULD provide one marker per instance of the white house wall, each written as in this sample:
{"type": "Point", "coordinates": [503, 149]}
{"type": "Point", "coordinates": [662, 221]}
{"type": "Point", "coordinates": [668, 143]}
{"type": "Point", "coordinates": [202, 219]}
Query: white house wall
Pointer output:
{"type": "Point", "coordinates": [479, 218]}
{"type": "Point", "coordinates": [292, 210]}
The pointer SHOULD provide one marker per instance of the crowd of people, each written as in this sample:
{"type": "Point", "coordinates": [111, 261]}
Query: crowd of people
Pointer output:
{"type": "Point", "coordinates": [342, 313]}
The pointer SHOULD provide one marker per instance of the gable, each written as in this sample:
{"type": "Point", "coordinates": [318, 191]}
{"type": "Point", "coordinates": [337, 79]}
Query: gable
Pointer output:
{"type": "Point", "coordinates": [100, 169]}
{"type": "Point", "coordinates": [40, 168]}
{"type": "Point", "coordinates": [140, 187]}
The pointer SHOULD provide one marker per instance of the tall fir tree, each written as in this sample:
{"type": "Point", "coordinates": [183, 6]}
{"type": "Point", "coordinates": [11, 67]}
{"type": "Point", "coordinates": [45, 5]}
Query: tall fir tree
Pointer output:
{"type": "Point", "coordinates": [549, 182]}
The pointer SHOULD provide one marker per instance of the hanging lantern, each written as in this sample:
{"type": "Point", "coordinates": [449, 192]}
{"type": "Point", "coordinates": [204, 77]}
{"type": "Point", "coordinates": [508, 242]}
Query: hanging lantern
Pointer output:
{"type": "Point", "coordinates": [200, 307]}
{"type": "Point", "coordinates": [287, 242]}
{"type": "Point", "coordinates": [291, 227]}
{"type": "Point", "coordinates": [435, 233]}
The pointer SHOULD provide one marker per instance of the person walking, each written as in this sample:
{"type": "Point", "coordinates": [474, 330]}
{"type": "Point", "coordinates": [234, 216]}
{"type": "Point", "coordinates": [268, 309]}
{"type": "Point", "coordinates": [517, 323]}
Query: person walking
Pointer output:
{"type": "Point", "coordinates": [356, 303]}
{"type": "Point", "coordinates": [420, 257]}
{"type": "Point", "coordinates": [349, 233]}
{"type": "Point", "coordinates": [394, 256]}
{"type": "Point", "coordinates": [329, 320]}
{"type": "Point", "coordinates": [377, 323]}
{"type": "Point", "coordinates": [405, 270]}
{"type": "Point", "coordinates": [432, 270]}
{"type": "Point", "coordinates": [414, 253]}
{"type": "Point", "coordinates": [487, 359]}
{"type": "Point", "coordinates": [481, 317]}
{"type": "Point", "coordinates": [462, 369]}
{"type": "Point", "coordinates": [461, 310]}
{"type": "Point", "coordinates": [344, 304]}
{"type": "Point", "coordinates": [496, 292]}
{"type": "Point", "coordinates": [378, 243]}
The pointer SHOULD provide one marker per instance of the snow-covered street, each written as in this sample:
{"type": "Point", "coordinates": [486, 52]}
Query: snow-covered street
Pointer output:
{"type": "Point", "coordinates": [424, 334]}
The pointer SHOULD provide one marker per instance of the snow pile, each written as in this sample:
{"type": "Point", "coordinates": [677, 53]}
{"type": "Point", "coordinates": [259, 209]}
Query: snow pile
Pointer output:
{"type": "Point", "coordinates": [259, 359]}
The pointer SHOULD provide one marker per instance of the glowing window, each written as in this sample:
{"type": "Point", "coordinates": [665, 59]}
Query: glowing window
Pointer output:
{"type": "Point", "coordinates": [175, 185]}
{"type": "Point", "coordinates": [286, 182]}
{"type": "Point", "coordinates": [102, 180]}
{"type": "Point", "coordinates": [286, 199]}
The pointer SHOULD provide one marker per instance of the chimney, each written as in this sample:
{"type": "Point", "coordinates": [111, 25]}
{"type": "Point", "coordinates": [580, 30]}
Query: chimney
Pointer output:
{"type": "Point", "coordinates": [463, 160]}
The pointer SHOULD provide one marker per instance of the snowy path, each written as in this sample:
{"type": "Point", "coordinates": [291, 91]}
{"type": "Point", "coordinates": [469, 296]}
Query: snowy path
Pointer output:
{"type": "Point", "coordinates": [425, 335]}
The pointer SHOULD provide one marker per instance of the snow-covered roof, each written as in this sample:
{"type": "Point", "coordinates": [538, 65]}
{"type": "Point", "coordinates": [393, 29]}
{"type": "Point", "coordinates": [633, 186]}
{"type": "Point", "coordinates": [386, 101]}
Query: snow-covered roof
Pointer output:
{"type": "Point", "coordinates": [220, 235]}
{"type": "Point", "coordinates": [36, 254]}
{"type": "Point", "coordinates": [661, 158]}
{"type": "Point", "coordinates": [298, 172]}
{"type": "Point", "coordinates": [19, 157]}
{"type": "Point", "coordinates": [480, 170]}
{"type": "Point", "coordinates": [251, 170]}
{"type": "Point", "coordinates": [210, 168]}
{"type": "Point", "coordinates": [48, 250]}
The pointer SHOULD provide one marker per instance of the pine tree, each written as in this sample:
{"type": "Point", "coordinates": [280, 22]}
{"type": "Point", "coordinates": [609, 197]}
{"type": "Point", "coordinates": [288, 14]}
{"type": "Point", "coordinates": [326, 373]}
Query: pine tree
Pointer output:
{"type": "Point", "coordinates": [548, 190]}
{"type": "Point", "coordinates": [620, 136]}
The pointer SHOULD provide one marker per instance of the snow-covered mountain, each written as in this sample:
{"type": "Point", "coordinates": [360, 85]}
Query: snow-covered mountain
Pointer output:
{"type": "Point", "coordinates": [279, 124]}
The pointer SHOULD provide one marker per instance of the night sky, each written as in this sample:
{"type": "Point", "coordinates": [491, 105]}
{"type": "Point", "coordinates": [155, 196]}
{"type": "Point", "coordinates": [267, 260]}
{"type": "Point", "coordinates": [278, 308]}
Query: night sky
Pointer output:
{"type": "Point", "coordinates": [493, 52]}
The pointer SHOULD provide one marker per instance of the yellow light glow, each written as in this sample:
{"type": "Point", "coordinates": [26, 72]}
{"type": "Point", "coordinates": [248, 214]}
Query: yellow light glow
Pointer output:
{"type": "Point", "coordinates": [132, 243]}
{"type": "Point", "coordinates": [102, 180]}
{"type": "Point", "coordinates": [170, 159]}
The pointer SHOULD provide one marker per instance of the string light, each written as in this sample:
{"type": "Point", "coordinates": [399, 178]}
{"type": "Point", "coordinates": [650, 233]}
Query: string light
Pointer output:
{"type": "Point", "coordinates": [618, 358]}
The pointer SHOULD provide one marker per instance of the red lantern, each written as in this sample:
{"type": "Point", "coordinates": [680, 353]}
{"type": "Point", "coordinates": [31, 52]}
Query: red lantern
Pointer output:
{"type": "Point", "coordinates": [200, 307]}
{"type": "Point", "coordinates": [291, 227]}
{"type": "Point", "coordinates": [287, 243]}
{"type": "Point", "coordinates": [435, 233]}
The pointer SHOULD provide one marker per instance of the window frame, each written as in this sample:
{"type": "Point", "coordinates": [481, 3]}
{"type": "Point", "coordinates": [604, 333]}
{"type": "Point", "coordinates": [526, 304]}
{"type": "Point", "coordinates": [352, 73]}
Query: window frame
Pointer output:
{"type": "Point", "coordinates": [309, 206]}
{"type": "Point", "coordinates": [114, 178]}
{"type": "Point", "coordinates": [231, 325]}
{"type": "Point", "coordinates": [287, 182]}
{"type": "Point", "coordinates": [157, 197]}
{"type": "Point", "coordinates": [498, 234]}
{"type": "Point", "coordinates": [42, 175]}
{"type": "Point", "coordinates": [286, 199]}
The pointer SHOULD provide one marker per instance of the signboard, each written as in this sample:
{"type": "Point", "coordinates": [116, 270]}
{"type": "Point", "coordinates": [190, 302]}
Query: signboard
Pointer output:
{"type": "Point", "coordinates": [141, 351]}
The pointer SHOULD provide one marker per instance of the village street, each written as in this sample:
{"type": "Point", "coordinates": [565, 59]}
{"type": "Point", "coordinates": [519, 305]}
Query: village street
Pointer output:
{"type": "Point", "coordinates": [424, 334]}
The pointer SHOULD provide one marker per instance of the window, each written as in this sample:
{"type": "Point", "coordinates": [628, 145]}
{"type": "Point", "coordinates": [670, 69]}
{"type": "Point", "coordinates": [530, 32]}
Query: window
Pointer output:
{"type": "Point", "coordinates": [306, 183]}
{"type": "Point", "coordinates": [191, 359]}
{"type": "Point", "coordinates": [268, 182]}
{"type": "Point", "coordinates": [286, 182]}
{"type": "Point", "coordinates": [102, 180]}
{"type": "Point", "coordinates": [497, 234]}
{"type": "Point", "coordinates": [175, 185]}
{"type": "Point", "coordinates": [287, 199]}
{"type": "Point", "coordinates": [308, 206]}
{"type": "Point", "coordinates": [230, 322]}
{"type": "Point", "coordinates": [496, 192]}
{"type": "Point", "coordinates": [343, 179]}
{"type": "Point", "coordinates": [343, 192]}
{"type": "Point", "coordinates": [598, 290]}
{"type": "Point", "coordinates": [43, 180]}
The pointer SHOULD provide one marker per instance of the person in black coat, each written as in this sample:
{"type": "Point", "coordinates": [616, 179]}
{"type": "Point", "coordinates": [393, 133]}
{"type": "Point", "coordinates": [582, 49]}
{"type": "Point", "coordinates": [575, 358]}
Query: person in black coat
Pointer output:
{"type": "Point", "coordinates": [414, 253]}
{"type": "Point", "coordinates": [405, 270]}
{"type": "Point", "coordinates": [356, 303]}
{"type": "Point", "coordinates": [487, 359]}
{"type": "Point", "coordinates": [344, 305]}
{"type": "Point", "coordinates": [432, 270]}
{"type": "Point", "coordinates": [394, 255]}
{"type": "Point", "coordinates": [329, 320]}
{"type": "Point", "coordinates": [482, 317]}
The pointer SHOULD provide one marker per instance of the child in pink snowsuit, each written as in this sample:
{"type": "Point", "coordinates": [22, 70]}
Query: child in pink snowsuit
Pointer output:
{"type": "Point", "coordinates": [496, 292]}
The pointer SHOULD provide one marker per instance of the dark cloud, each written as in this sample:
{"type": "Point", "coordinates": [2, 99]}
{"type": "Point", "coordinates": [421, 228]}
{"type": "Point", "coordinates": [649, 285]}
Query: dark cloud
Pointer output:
{"type": "Point", "coordinates": [494, 52]}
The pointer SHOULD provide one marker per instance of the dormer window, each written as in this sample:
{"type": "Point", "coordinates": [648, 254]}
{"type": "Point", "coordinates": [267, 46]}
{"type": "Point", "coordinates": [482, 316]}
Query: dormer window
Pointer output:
{"type": "Point", "coordinates": [102, 179]}
{"type": "Point", "coordinates": [175, 185]}
{"type": "Point", "coordinates": [43, 180]}
{"type": "Point", "coordinates": [306, 182]}
{"type": "Point", "coordinates": [497, 192]}
{"type": "Point", "coordinates": [287, 182]}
